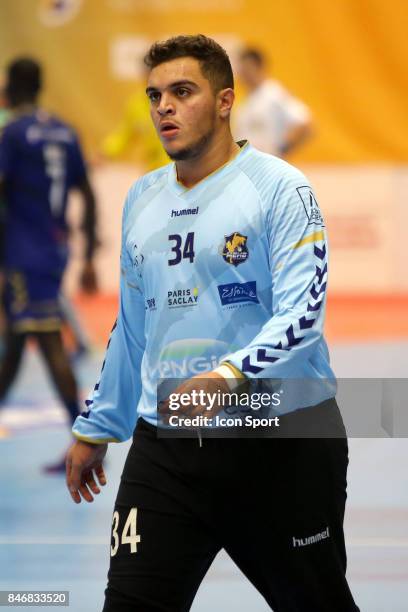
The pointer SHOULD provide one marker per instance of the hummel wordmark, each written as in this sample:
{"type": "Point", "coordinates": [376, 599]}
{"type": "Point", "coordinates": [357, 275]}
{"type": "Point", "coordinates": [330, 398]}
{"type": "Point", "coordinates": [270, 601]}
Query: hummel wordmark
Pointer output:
{"type": "Point", "coordinates": [323, 535]}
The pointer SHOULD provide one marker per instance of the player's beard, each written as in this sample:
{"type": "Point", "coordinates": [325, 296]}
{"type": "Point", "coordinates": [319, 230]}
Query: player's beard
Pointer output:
{"type": "Point", "coordinates": [196, 149]}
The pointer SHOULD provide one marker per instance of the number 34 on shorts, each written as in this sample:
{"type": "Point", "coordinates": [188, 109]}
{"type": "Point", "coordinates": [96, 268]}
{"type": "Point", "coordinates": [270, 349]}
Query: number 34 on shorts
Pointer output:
{"type": "Point", "coordinates": [129, 534]}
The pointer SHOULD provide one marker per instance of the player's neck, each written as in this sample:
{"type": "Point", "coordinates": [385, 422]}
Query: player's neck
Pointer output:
{"type": "Point", "coordinates": [24, 107]}
{"type": "Point", "coordinates": [220, 152]}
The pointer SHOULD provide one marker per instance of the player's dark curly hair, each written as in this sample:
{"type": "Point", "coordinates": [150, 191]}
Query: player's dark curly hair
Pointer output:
{"type": "Point", "coordinates": [214, 61]}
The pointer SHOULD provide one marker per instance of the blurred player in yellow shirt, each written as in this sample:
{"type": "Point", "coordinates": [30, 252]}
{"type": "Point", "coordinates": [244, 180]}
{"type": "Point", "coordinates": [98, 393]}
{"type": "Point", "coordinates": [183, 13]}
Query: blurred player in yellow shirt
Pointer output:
{"type": "Point", "coordinates": [135, 133]}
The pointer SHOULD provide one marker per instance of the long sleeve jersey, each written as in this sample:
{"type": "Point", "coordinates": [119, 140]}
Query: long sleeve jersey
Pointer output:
{"type": "Point", "coordinates": [233, 269]}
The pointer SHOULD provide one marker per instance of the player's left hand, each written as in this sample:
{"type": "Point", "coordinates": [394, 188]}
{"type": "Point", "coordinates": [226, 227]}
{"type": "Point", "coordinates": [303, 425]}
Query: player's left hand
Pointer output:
{"type": "Point", "coordinates": [210, 383]}
{"type": "Point", "coordinates": [88, 278]}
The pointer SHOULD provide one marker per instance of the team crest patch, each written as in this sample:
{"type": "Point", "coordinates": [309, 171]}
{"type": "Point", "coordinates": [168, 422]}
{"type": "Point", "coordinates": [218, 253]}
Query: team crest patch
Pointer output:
{"type": "Point", "coordinates": [310, 204]}
{"type": "Point", "coordinates": [235, 250]}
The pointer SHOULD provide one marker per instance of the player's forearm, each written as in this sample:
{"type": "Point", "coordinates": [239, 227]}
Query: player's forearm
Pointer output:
{"type": "Point", "coordinates": [112, 406]}
{"type": "Point", "coordinates": [280, 350]}
{"type": "Point", "coordinates": [296, 136]}
{"type": "Point", "coordinates": [295, 330]}
{"type": "Point", "coordinates": [89, 228]}
{"type": "Point", "coordinates": [89, 219]}
{"type": "Point", "coordinates": [111, 414]}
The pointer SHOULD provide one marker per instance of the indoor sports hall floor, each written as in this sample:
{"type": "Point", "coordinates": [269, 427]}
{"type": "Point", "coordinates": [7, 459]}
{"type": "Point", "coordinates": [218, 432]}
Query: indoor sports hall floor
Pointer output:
{"type": "Point", "coordinates": [48, 543]}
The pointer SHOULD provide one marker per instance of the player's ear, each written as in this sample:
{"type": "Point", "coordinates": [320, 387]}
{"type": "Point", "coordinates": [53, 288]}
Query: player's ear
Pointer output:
{"type": "Point", "coordinates": [225, 100]}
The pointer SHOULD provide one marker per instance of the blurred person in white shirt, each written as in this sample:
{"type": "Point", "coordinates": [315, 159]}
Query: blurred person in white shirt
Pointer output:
{"type": "Point", "coordinates": [270, 117]}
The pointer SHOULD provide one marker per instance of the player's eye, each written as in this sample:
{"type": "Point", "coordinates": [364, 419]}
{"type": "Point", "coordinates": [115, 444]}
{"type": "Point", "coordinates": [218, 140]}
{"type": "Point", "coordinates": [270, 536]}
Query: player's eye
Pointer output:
{"type": "Point", "coordinates": [182, 92]}
{"type": "Point", "coordinates": [154, 96]}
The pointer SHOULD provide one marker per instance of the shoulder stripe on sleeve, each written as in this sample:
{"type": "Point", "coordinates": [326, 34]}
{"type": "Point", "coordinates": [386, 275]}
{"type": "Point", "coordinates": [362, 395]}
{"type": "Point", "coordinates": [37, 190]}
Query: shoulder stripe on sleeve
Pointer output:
{"type": "Point", "coordinates": [315, 237]}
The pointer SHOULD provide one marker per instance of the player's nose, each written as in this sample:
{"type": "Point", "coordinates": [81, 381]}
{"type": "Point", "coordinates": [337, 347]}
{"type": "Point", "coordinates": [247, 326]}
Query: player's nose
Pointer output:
{"type": "Point", "coordinates": [166, 105]}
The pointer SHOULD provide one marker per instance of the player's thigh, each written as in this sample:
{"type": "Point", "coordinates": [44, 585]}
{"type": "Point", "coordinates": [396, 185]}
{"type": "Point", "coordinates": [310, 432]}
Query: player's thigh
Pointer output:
{"type": "Point", "coordinates": [292, 544]}
{"type": "Point", "coordinates": [309, 579]}
{"type": "Point", "coordinates": [162, 544]}
{"type": "Point", "coordinates": [158, 558]}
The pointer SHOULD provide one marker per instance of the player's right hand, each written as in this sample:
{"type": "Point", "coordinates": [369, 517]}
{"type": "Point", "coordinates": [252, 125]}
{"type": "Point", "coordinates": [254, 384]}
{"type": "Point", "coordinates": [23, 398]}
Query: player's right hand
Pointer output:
{"type": "Point", "coordinates": [83, 463]}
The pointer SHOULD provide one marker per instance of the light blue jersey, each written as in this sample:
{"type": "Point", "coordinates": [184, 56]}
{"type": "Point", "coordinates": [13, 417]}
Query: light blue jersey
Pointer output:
{"type": "Point", "coordinates": [233, 269]}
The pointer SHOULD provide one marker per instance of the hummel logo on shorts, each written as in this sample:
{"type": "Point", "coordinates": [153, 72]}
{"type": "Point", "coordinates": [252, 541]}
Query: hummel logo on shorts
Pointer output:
{"type": "Point", "coordinates": [323, 535]}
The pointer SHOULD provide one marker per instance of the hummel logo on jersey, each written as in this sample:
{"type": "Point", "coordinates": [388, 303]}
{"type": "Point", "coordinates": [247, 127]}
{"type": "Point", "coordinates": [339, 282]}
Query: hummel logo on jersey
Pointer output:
{"type": "Point", "coordinates": [185, 211]}
{"type": "Point", "coordinates": [323, 535]}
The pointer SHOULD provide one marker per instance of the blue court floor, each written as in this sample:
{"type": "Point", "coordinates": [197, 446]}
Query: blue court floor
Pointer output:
{"type": "Point", "coordinates": [49, 543]}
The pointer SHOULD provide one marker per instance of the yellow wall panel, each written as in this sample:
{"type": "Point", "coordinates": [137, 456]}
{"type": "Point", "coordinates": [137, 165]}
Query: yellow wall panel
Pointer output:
{"type": "Point", "coordinates": [347, 59]}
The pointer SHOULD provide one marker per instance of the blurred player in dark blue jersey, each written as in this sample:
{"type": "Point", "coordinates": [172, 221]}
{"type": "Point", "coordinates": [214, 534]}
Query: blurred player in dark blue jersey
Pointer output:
{"type": "Point", "coordinates": [40, 162]}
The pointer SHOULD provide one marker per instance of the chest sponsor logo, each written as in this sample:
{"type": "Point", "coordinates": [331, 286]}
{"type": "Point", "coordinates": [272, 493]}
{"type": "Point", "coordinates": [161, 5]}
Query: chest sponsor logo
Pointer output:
{"type": "Point", "coordinates": [235, 250]}
{"type": "Point", "coordinates": [310, 204]}
{"type": "Point", "coordinates": [182, 298]}
{"type": "Point", "coordinates": [185, 212]}
{"type": "Point", "coordinates": [185, 358]}
{"type": "Point", "coordinates": [237, 293]}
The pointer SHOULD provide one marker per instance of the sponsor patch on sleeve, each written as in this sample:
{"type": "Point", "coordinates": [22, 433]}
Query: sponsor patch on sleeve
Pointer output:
{"type": "Point", "coordinates": [310, 205]}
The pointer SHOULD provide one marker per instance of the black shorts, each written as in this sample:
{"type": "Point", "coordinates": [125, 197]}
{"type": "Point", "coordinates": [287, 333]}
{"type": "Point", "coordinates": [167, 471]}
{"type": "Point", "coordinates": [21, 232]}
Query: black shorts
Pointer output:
{"type": "Point", "coordinates": [275, 505]}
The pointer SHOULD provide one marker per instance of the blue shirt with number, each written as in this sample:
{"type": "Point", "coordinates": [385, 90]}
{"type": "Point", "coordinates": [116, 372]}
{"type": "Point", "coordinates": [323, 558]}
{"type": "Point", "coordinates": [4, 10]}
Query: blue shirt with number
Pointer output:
{"type": "Point", "coordinates": [40, 160]}
{"type": "Point", "coordinates": [232, 269]}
